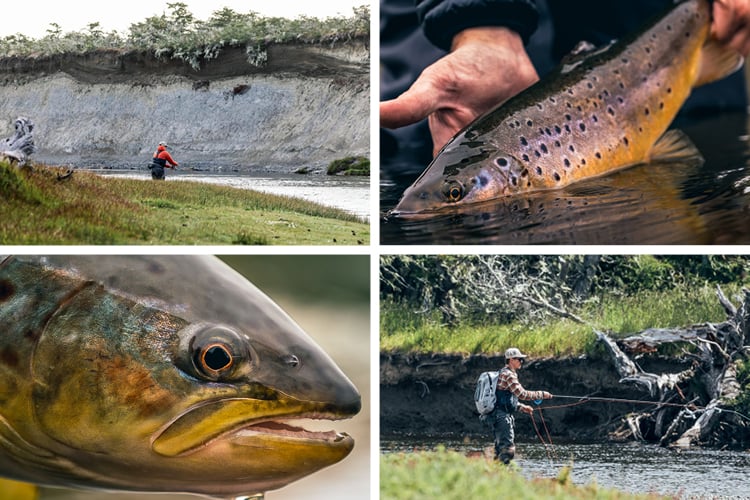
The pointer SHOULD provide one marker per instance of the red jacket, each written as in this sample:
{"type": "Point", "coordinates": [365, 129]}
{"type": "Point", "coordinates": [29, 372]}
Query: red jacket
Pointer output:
{"type": "Point", "coordinates": [163, 154]}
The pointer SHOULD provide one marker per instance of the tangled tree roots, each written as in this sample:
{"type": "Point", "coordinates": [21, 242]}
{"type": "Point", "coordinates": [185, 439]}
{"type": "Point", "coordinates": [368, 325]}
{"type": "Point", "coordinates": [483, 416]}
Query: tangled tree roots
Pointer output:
{"type": "Point", "coordinates": [707, 389]}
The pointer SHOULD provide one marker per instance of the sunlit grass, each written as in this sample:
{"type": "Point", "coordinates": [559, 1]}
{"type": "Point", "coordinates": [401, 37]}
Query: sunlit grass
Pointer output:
{"type": "Point", "coordinates": [407, 331]}
{"type": "Point", "coordinates": [448, 474]}
{"type": "Point", "coordinates": [38, 208]}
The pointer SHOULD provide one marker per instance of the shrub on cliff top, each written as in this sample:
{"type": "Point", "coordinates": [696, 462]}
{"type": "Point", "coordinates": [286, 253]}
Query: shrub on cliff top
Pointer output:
{"type": "Point", "coordinates": [179, 35]}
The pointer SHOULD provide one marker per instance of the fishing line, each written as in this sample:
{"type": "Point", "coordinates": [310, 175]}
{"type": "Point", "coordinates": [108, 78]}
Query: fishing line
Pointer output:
{"type": "Point", "coordinates": [584, 399]}
{"type": "Point", "coordinates": [539, 435]}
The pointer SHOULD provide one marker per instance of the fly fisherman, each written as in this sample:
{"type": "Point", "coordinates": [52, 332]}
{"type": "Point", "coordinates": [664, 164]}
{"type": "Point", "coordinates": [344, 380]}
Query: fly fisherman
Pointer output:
{"type": "Point", "coordinates": [508, 392]}
{"type": "Point", "coordinates": [162, 159]}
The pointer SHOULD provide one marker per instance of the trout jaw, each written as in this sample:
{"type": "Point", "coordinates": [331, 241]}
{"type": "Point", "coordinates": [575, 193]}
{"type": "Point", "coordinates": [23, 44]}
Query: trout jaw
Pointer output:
{"type": "Point", "coordinates": [236, 446]}
{"type": "Point", "coordinates": [200, 425]}
{"type": "Point", "coordinates": [475, 183]}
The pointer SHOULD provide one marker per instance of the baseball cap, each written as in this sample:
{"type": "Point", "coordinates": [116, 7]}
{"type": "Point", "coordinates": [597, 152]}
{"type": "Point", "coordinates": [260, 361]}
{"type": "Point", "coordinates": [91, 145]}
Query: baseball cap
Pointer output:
{"type": "Point", "coordinates": [514, 352]}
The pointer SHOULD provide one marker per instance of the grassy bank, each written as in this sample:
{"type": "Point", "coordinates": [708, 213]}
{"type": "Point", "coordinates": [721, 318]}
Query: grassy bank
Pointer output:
{"type": "Point", "coordinates": [446, 474]}
{"type": "Point", "coordinates": [40, 208]}
{"type": "Point", "coordinates": [404, 331]}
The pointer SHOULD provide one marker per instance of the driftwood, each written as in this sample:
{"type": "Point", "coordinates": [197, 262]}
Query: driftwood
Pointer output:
{"type": "Point", "coordinates": [705, 389]}
{"type": "Point", "coordinates": [20, 145]}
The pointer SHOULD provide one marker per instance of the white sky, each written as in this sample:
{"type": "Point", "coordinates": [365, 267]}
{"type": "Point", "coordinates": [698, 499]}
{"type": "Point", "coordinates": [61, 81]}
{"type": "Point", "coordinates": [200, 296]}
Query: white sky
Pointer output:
{"type": "Point", "coordinates": [33, 17]}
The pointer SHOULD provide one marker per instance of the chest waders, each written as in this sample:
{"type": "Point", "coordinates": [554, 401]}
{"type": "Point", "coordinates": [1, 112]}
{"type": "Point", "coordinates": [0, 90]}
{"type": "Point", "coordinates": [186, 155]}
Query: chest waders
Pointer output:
{"type": "Point", "coordinates": [503, 424]}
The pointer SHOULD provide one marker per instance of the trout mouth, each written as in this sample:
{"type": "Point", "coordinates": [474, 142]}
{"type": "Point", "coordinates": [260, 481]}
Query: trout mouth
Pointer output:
{"type": "Point", "coordinates": [291, 429]}
{"type": "Point", "coordinates": [252, 423]}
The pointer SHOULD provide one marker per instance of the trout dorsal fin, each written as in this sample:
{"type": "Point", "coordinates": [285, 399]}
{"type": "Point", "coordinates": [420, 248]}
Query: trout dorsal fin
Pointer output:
{"type": "Point", "coordinates": [674, 146]}
{"type": "Point", "coordinates": [717, 61]}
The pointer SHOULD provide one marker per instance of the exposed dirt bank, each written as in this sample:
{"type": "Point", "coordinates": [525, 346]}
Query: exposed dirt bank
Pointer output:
{"type": "Point", "coordinates": [113, 66]}
{"type": "Point", "coordinates": [308, 105]}
{"type": "Point", "coordinates": [432, 395]}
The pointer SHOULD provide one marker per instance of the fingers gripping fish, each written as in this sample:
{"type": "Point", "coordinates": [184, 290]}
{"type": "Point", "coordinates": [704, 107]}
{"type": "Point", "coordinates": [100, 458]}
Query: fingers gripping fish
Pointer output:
{"type": "Point", "coordinates": [163, 374]}
{"type": "Point", "coordinates": [601, 110]}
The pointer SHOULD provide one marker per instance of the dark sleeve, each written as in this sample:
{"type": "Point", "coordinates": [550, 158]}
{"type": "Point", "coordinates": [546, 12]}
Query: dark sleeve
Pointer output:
{"type": "Point", "coordinates": [441, 20]}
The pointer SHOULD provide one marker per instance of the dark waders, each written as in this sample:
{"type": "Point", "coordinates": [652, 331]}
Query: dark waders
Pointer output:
{"type": "Point", "coordinates": [157, 169]}
{"type": "Point", "coordinates": [501, 424]}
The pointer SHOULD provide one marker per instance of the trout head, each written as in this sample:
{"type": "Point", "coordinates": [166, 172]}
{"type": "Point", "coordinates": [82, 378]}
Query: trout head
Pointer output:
{"type": "Point", "coordinates": [152, 395]}
{"type": "Point", "coordinates": [463, 173]}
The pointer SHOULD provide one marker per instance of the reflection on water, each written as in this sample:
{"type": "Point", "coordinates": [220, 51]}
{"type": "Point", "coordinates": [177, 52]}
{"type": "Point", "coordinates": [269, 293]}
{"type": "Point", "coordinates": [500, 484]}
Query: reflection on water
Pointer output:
{"type": "Point", "coordinates": [648, 204]}
{"type": "Point", "coordinates": [635, 468]}
{"type": "Point", "coordinates": [348, 193]}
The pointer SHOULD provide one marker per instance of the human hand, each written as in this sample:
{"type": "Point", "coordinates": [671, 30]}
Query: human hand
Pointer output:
{"type": "Point", "coordinates": [486, 66]}
{"type": "Point", "coordinates": [731, 24]}
{"type": "Point", "coordinates": [528, 410]}
{"type": "Point", "coordinates": [546, 395]}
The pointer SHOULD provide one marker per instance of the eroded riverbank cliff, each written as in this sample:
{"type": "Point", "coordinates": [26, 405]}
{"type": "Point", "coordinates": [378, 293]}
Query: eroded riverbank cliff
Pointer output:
{"type": "Point", "coordinates": [432, 395]}
{"type": "Point", "coordinates": [306, 106]}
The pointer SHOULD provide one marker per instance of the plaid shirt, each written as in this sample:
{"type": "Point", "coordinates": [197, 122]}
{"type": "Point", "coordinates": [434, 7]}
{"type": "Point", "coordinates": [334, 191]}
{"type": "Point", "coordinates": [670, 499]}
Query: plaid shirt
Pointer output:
{"type": "Point", "coordinates": [508, 381]}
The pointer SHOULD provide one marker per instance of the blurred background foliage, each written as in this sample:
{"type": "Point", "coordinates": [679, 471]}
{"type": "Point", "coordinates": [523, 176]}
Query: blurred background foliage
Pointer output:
{"type": "Point", "coordinates": [313, 278]}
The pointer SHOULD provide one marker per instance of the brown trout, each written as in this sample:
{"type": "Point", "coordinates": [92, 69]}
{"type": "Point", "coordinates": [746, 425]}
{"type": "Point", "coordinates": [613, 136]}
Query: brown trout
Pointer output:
{"type": "Point", "coordinates": [162, 374]}
{"type": "Point", "coordinates": [600, 110]}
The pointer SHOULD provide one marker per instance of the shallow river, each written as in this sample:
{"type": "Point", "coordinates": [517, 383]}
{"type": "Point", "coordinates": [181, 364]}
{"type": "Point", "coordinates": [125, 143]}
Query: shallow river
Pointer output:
{"type": "Point", "coordinates": [348, 193]}
{"type": "Point", "coordinates": [700, 203]}
{"type": "Point", "coordinates": [633, 467]}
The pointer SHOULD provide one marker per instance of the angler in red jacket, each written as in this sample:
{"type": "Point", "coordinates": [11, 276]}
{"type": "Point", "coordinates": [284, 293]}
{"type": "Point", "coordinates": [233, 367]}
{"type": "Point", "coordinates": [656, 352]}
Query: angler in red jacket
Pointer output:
{"type": "Point", "coordinates": [161, 160]}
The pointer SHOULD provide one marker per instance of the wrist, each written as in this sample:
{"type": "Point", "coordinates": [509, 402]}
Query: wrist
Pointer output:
{"type": "Point", "coordinates": [488, 35]}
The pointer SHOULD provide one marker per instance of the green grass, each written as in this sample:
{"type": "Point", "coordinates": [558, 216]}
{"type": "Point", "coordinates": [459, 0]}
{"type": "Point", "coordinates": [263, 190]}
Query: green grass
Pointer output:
{"type": "Point", "coordinates": [404, 331]}
{"type": "Point", "coordinates": [91, 209]}
{"type": "Point", "coordinates": [351, 165]}
{"type": "Point", "coordinates": [447, 474]}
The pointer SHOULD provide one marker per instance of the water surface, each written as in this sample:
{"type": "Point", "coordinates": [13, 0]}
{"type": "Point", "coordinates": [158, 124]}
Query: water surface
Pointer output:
{"type": "Point", "coordinates": [631, 467]}
{"type": "Point", "coordinates": [349, 193]}
{"type": "Point", "coordinates": [694, 203]}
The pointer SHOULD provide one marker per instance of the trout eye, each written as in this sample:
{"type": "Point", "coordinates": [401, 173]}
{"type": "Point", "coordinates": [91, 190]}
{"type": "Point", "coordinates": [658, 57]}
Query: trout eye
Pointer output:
{"type": "Point", "coordinates": [453, 191]}
{"type": "Point", "coordinates": [215, 353]}
{"type": "Point", "coordinates": [215, 358]}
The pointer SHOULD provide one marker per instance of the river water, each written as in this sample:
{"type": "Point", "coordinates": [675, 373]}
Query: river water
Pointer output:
{"type": "Point", "coordinates": [698, 203]}
{"type": "Point", "coordinates": [349, 193]}
{"type": "Point", "coordinates": [631, 467]}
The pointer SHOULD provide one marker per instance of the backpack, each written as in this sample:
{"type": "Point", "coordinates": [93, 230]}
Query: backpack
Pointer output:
{"type": "Point", "coordinates": [484, 394]}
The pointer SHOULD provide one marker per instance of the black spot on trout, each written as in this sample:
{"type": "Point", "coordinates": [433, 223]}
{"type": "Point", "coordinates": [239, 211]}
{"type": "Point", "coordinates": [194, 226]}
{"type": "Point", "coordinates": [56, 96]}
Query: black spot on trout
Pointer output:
{"type": "Point", "coordinates": [6, 290]}
{"type": "Point", "coordinates": [653, 71]}
{"type": "Point", "coordinates": [9, 357]}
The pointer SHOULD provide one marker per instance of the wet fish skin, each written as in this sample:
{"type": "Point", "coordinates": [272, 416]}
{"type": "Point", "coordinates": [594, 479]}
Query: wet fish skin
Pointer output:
{"type": "Point", "coordinates": [115, 373]}
{"type": "Point", "coordinates": [600, 110]}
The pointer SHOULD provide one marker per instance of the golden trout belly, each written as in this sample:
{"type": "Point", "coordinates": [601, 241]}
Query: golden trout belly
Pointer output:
{"type": "Point", "coordinates": [601, 110]}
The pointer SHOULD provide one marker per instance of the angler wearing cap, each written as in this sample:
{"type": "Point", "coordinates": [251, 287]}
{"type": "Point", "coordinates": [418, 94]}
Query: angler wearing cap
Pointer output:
{"type": "Point", "coordinates": [161, 160]}
{"type": "Point", "coordinates": [508, 393]}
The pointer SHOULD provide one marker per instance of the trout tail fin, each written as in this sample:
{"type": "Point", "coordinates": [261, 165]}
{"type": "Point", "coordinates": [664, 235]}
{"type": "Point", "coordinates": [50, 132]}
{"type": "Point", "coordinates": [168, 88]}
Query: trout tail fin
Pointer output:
{"type": "Point", "coordinates": [717, 62]}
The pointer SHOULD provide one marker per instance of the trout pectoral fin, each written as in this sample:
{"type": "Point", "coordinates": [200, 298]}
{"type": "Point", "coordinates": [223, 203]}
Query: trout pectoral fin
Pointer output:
{"type": "Point", "coordinates": [717, 61]}
{"type": "Point", "coordinates": [675, 146]}
{"type": "Point", "coordinates": [18, 491]}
